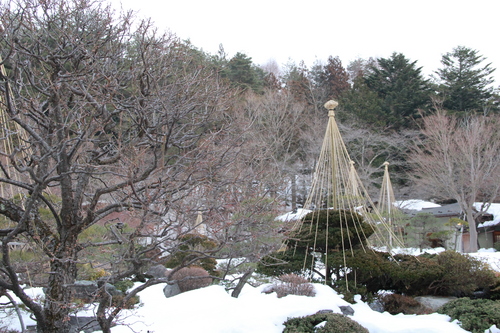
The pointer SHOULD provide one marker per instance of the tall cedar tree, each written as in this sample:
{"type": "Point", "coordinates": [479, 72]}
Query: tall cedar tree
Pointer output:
{"type": "Point", "coordinates": [297, 82]}
{"type": "Point", "coordinates": [241, 71]}
{"type": "Point", "coordinates": [403, 90]}
{"type": "Point", "coordinates": [334, 78]}
{"type": "Point", "coordinates": [465, 81]}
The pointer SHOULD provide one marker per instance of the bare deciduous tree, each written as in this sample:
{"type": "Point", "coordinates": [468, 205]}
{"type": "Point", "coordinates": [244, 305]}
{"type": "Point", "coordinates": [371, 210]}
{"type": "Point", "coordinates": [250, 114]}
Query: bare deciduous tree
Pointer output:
{"type": "Point", "coordinates": [458, 158]}
{"type": "Point", "coordinates": [283, 130]}
{"type": "Point", "coordinates": [113, 118]}
{"type": "Point", "coordinates": [369, 149]}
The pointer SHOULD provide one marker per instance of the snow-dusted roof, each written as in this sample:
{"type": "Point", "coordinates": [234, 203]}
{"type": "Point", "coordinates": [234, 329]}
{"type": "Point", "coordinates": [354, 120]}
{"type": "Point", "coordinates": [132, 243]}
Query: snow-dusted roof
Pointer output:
{"type": "Point", "coordinates": [292, 216]}
{"type": "Point", "coordinates": [494, 210]}
{"type": "Point", "coordinates": [415, 204]}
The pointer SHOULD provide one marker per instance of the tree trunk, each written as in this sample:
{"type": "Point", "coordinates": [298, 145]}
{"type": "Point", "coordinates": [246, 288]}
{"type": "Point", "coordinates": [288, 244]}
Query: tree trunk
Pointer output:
{"type": "Point", "coordinates": [243, 280]}
{"type": "Point", "coordinates": [294, 192]}
{"type": "Point", "coordinates": [104, 302]}
{"type": "Point", "coordinates": [473, 245]}
{"type": "Point", "coordinates": [58, 295]}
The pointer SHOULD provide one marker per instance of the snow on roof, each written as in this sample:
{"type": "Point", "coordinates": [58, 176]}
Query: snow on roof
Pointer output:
{"type": "Point", "coordinates": [292, 216]}
{"type": "Point", "coordinates": [415, 204]}
{"type": "Point", "coordinates": [494, 210]}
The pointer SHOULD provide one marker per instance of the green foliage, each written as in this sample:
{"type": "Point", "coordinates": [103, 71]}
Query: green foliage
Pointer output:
{"type": "Point", "coordinates": [446, 274]}
{"type": "Point", "coordinates": [494, 292]}
{"type": "Point", "coordinates": [374, 271]}
{"type": "Point", "coordinates": [23, 256]}
{"type": "Point", "coordinates": [241, 71]}
{"type": "Point", "coordinates": [465, 80]}
{"type": "Point", "coordinates": [475, 315]}
{"type": "Point", "coordinates": [413, 275]}
{"type": "Point", "coordinates": [344, 229]}
{"type": "Point", "coordinates": [190, 253]}
{"type": "Point", "coordinates": [335, 323]}
{"type": "Point", "coordinates": [285, 262]}
{"type": "Point", "coordinates": [363, 103]}
{"type": "Point", "coordinates": [402, 89]}
{"type": "Point", "coordinates": [463, 274]}
{"type": "Point", "coordinates": [351, 289]}
{"type": "Point", "coordinates": [93, 233]}
{"type": "Point", "coordinates": [124, 285]}
{"type": "Point", "coordinates": [98, 254]}
{"type": "Point", "coordinates": [423, 228]}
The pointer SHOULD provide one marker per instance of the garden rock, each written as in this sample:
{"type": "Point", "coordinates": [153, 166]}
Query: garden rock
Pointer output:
{"type": "Point", "coordinates": [434, 302]}
{"type": "Point", "coordinates": [86, 290]}
{"type": "Point", "coordinates": [346, 310]}
{"type": "Point", "coordinates": [377, 305]}
{"type": "Point", "coordinates": [171, 290]}
{"type": "Point", "coordinates": [157, 271]}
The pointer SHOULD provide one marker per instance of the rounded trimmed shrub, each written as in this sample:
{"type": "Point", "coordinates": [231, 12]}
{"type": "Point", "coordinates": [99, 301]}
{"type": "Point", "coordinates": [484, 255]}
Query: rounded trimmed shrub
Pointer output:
{"type": "Point", "coordinates": [335, 323]}
{"type": "Point", "coordinates": [191, 278]}
{"type": "Point", "coordinates": [189, 250]}
{"type": "Point", "coordinates": [475, 315]}
{"type": "Point", "coordinates": [463, 275]}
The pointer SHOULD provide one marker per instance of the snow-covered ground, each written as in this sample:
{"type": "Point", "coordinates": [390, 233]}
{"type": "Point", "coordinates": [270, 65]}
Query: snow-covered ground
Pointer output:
{"type": "Point", "coordinates": [213, 310]}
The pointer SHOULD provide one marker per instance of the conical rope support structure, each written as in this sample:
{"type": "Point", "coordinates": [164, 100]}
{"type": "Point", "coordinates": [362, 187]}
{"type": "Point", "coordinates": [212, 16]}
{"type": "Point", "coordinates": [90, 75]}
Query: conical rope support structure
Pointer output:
{"type": "Point", "coordinates": [337, 187]}
{"type": "Point", "coordinates": [387, 207]}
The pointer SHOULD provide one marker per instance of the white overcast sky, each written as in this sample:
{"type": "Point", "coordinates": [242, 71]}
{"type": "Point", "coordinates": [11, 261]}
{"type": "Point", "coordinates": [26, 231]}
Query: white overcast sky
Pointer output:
{"type": "Point", "coordinates": [315, 29]}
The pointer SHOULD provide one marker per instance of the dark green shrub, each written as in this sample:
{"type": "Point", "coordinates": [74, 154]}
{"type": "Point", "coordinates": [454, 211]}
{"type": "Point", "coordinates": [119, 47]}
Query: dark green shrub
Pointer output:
{"type": "Point", "coordinates": [350, 289]}
{"type": "Point", "coordinates": [475, 315]}
{"type": "Point", "coordinates": [368, 268]}
{"type": "Point", "coordinates": [335, 323]}
{"type": "Point", "coordinates": [494, 291]}
{"type": "Point", "coordinates": [463, 275]}
{"type": "Point", "coordinates": [325, 230]}
{"type": "Point", "coordinates": [188, 253]}
{"type": "Point", "coordinates": [284, 262]}
{"type": "Point", "coordinates": [395, 303]}
{"type": "Point", "coordinates": [341, 226]}
{"type": "Point", "coordinates": [124, 285]}
{"type": "Point", "coordinates": [411, 275]}
{"type": "Point", "coordinates": [447, 274]}
{"type": "Point", "coordinates": [376, 271]}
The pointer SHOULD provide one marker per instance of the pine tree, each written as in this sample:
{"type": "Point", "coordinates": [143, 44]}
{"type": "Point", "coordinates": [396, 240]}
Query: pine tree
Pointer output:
{"type": "Point", "coordinates": [403, 90]}
{"type": "Point", "coordinates": [465, 81]}
{"type": "Point", "coordinates": [243, 73]}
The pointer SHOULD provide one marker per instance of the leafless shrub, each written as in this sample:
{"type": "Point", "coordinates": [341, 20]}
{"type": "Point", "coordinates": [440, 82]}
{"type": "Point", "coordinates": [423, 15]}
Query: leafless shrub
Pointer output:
{"type": "Point", "coordinates": [394, 304]}
{"type": "Point", "coordinates": [292, 284]}
{"type": "Point", "coordinates": [191, 278]}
